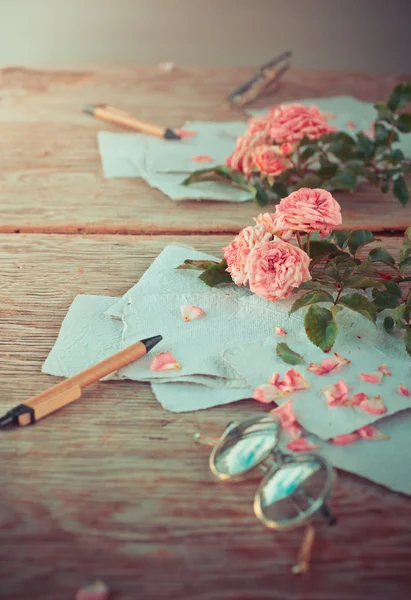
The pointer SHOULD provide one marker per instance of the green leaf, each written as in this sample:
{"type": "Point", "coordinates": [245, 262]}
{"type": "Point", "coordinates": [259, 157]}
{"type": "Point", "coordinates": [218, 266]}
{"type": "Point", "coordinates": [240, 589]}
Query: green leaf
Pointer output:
{"type": "Point", "coordinates": [344, 180]}
{"type": "Point", "coordinates": [259, 193]}
{"type": "Point", "coordinates": [200, 265]}
{"type": "Point", "coordinates": [384, 113]}
{"type": "Point", "coordinates": [405, 263]}
{"type": "Point", "coordinates": [359, 303]}
{"type": "Point", "coordinates": [381, 134]}
{"type": "Point", "coordinates": [381, 255]}
{"type": "Point", "coordinates": [389, 324]}
{"type": "Point", "coordinates": [365, 145]}
{"type": "Point", "coordinates": [394, 155]}
{"type": "Point", "coordinates": [363, 283]}
{"type": "Point", "coordinates": [321, 249]}
{"type": "Point", "coordinates": [336, 309]}
{"type": "Point", "coordinates": [393, 289]}
{"type": "Point", "coordinates": [407, 340]}
{"type": "Point", "coordinates": [313, 297]}
{"type": "Point", "coordinates": [403, 122]}
{"type": "Point", "coordinates": [341, 238]}
{"type": "Point", "coordinates": [316, 285]}
{"type": "Point", "coordinates": [400, 313]}
{"type": "Point", "coordinates": [280, 189]}
{"type": "Point", "coordinates": [309, 181]}
{"type": "Point", "coordinates": [215, 274]}
{"type": "Point", "coordinates": [401, 190]}
{"type": "Point", "coordinates": [359, 238]}
{"type": "Point", "coordinates": [320, 327]}
{"type": "Point", "coordinates": [327, 169]}
{"type": "Point", "coordinates": [400, 96]}
{"type": "Point", "coordinates": [289, 356]}
{"type": "Point", "coordinates": [308, 151]}
{"type": "Point", "coordinates": [383, 300]}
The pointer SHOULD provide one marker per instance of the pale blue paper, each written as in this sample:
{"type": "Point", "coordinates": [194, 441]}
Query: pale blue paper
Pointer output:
{"type": "Point", "coordinates": [164, 164]}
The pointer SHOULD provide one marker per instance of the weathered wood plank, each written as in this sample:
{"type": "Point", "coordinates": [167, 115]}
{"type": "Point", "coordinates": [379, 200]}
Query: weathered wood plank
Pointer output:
{"type": "Point", "coordinates": [113, 486]}
{"type": "Point", "coordinates": [51, 177]}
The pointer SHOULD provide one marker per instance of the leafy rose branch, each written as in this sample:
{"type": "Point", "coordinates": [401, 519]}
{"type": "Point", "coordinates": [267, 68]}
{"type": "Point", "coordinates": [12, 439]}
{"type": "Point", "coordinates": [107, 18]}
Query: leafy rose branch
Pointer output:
{"type": "Point", "coordinates": [335, 161]}
{"type": "Point", "coordinates": [337, 271]}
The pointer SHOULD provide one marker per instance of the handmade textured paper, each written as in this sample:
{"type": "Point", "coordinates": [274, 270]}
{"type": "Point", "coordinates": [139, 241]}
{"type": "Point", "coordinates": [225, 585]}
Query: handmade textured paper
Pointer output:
{"type": "Point", "coordinates": [256, 362]}
{"type": "Point", "coordinates": [164, 164]}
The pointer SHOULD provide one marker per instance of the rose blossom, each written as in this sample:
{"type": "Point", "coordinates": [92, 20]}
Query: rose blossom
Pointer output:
{"type": "Point", "coordinates": [309, 210]}
{"type": "Point", "coordinates": [267, 160]}
{"type": "Point", "coordinates": [242, 159]}
{"type": "Point", "coordinates": [286, 149]}
{"type": "Point", "coordinates": [237, 251]}
{"type": "Point", "coordinates": [292, 122]}
{"type": "Point", "coordinates": [274, 269]}
{"type": "Point", "coordinates": [269, 220]}
{"type": "Point", "coordinates": [258, 125]}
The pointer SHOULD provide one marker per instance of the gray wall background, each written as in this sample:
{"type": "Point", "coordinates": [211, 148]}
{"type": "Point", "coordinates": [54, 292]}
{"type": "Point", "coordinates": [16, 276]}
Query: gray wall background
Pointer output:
{"type": "Point", "coordinates": [370, 35]}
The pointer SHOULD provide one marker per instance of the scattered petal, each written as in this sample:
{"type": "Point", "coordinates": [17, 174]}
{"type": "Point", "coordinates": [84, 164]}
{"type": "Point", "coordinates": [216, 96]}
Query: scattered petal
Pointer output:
{"type": "Point", "coordinates": [201, 158]}
{"type": "Point", "coordinates": [373, 406]}
{"type": "Point", "coordinates": [301, 445]}
{"type": "Point", "coordinates": [165, 362]}
{"type": "Point", "coordinates": [359, 337]}
{"type": "Point", "coordinates": [336, 394]}
{"type": "Point", "coordinates": [267, 393]}
{"type": "Point", "coordinates": [95, 591]}
{"type": "Point", "coordinates": [403, 391]}
{"type": "Point", "coordinates": [371, 377]}
{"type": "Point", "coordinates": [356, 399]}
{"type": "Point", "coordinates": [384, 370]}
{"type": "Point", "coordinates": [351, 124]}
{"type": "Point", "coordinates": [345, 439]}
{"type": "Point", "coordinates": [294, 382]}
{"type": "Point", "coordinates": [369, 432]}
{"type": "Point", "coordinates": [328, 365]}
{"type": "Point", "coordinates": [189, 312]}
{"type": "Point", "coordinates": [166, 67]}
{"type": "Point", "coordinates": [285, 414]}
{"type": "Point", "coordinates": [279, 331]}
{"type": "Point", "coordinates": [275, 379]}
{"type": "Point", "coordinates": [185, 133]}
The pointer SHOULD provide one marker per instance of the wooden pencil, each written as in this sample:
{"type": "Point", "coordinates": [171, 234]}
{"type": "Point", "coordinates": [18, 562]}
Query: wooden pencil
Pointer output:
{"type": "Point", "coordinates": [120, 117]}
{"type": "Point", "coordinates": [67, 391]}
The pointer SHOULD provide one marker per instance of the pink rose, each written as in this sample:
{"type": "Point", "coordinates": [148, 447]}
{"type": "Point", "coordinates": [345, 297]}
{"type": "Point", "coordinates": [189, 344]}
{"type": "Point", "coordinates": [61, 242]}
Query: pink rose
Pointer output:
{"type": "Point", "coordinates": [268, 161]}
{"type": "Point", "coordinates": [274, 269]}
{"type": "Point", "coordinates": [261, 125]}
{"type": "Point", "coordinates": [237, 251]}
{"type": "Point", "coordinates": [292, 122]}
{"type": "Point", "coordinates": [269, 220]}
{"type": "Point", "coordinates": [242, 159]}
{"type": "Point", "coordinates": [309, 210]}
{"type": "Point", "coordinates": [286, 149]}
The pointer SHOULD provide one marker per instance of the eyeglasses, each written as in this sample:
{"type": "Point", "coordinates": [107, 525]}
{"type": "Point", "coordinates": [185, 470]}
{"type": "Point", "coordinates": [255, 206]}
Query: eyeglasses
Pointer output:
{"type": "Point", "coordinates": [294, 489]}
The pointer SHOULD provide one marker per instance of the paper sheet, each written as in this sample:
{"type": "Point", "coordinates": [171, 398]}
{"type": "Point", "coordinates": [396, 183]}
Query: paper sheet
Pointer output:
{"type": "Point", "coordinates": [256, 362]}
{"type": "Point", "coordinates": [165, 164]}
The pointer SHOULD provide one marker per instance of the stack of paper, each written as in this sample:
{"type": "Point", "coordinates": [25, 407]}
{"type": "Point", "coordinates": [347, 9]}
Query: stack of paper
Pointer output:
{"type": "Point", "coordinates": [228, 352]}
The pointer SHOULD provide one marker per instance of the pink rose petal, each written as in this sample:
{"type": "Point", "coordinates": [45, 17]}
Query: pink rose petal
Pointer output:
{"type": "Point", "coordinates": [403, 391]}
{"type": "Point", "coordinates": [189, 312]}
{"type": "Point", "coordinates": [279, 331]}
{"type": "Point", "coordinates": [328, 365]}
{"type": "Point", "coordinates": [185, 133]}
{"type": "Point", "coordinates": [95, 591]}
{"type": "Point", "coordinates": [301, 445]}
{"type": "Point", "coordinates": [286, 415]}
{"type": "Point", "coordinates": [294, 381]}
{"type": "Point", "coordinates": [165, 362]}
{"type": "Point", "coordinates": [343, 440]}
{"type": "Point", "coordinates": [201, 158]}
{"type": "Point", "coordinates": [336, 394]}
{"type": "Point", "coordinates": [351, 124]}
{"type": "Point", "coordinates": [371, 377]}
{"type": "Point", "coordinates": [373, 406]}
{"type": "Point", "coordinates": [267, 393]}
{"type": "Point", "coordinates": [369, 432]}
{"type": "Point", "coordinates": [356, 399]}
{"type": "Point", "coordinates": [384, 370]}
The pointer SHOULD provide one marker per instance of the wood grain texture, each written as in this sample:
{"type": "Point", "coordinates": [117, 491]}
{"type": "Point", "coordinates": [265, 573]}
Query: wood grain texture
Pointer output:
{"type": "Point", "coordinates": [113, 487]}
{"type": "Point", "coordinates": [51, 177]}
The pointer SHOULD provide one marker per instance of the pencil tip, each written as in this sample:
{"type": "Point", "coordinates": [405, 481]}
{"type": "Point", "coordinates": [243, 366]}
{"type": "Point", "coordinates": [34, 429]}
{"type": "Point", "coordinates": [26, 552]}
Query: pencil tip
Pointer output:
{"type": "Point", "coordinates": [89, 108]}
{"type": "Point", "coordinates": [6, 420]}
{"type": "Point", "coordinates": [169, 134]}
{"type": "Point", "coordinates": [152, 341]}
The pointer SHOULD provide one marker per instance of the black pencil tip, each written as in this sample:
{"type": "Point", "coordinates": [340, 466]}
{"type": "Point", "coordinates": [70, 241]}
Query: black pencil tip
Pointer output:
{"type": "Point", "coordinates": [169, 134]}
{"type": "Point", "coordinates": [6, 421]}
{"type": "Point", "coordinates": [152, 341]}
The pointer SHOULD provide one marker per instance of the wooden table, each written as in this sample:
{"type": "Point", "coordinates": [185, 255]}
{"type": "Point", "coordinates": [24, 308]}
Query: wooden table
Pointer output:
{"type": "Point", "coordinates": [113, 487]}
